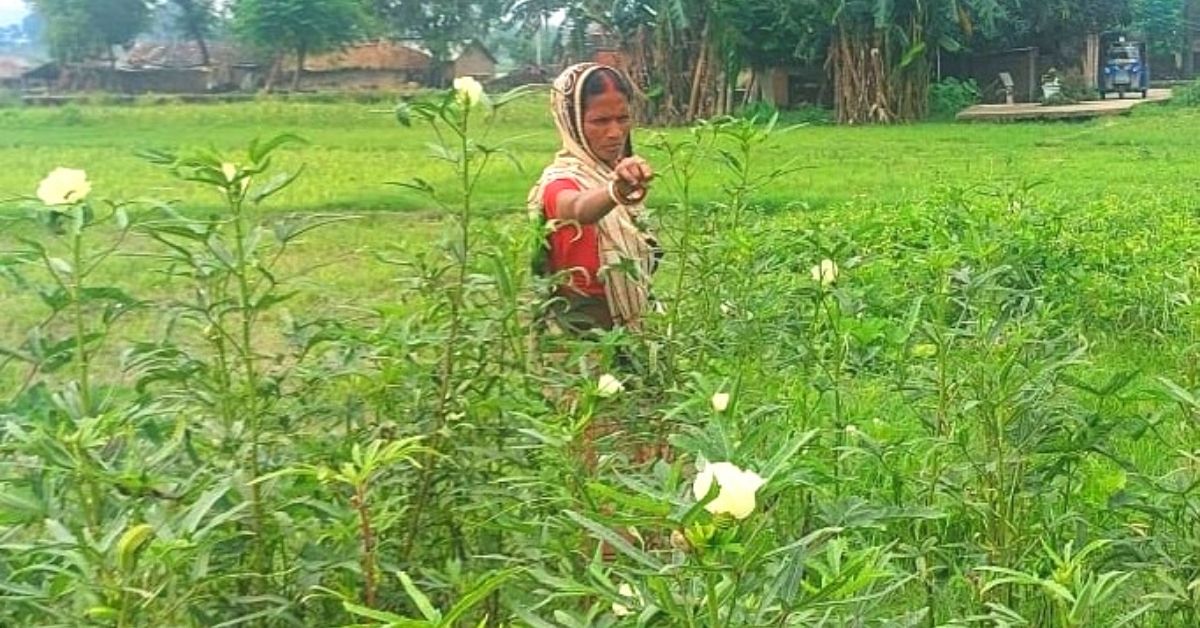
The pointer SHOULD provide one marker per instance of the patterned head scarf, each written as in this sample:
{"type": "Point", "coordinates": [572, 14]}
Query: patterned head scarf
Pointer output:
{"type": "Point", "coordinates": [567, 104]}
{"type": "Point", "coordinates": [626, 250]}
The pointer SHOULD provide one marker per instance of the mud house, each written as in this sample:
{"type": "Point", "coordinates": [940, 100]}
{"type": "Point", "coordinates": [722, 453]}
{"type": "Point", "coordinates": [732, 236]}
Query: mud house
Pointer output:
{"type": "Point", "coordinates": [381, 64]}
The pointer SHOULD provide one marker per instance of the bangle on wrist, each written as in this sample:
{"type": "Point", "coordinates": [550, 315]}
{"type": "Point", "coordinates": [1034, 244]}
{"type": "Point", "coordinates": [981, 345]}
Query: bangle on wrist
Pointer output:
{"type": "Point", "coordinates": [614, 195]}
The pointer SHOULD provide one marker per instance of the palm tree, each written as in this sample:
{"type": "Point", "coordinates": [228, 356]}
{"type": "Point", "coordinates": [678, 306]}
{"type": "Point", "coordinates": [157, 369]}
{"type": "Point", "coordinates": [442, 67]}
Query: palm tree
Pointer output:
{"type": "Point", "coordinates": [534, 17]}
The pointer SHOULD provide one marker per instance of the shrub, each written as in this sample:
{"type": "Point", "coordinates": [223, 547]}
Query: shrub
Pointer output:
{"type": "Point", "coordinates": [809, 114]}
{"type": "Point", "coordinates": [951, 96]}
{"type": "Point", "coordinates": [758, 110]}
{"type": "Point", "coordinates": [1187, 95]}
{"type": "Point", "coordinates": [1058, 100]}
{"type": "Point", "coordinates": [1075, 87]}
{"type": "Point", "coordinates": [9, 98]}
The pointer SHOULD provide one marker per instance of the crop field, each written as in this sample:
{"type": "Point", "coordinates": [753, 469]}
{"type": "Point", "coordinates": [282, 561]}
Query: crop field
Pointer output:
{"type": "Point", "coordinates": [943, 375]}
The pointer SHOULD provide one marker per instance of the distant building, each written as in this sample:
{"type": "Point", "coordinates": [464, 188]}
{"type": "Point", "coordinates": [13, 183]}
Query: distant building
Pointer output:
{"type": "Point", "coordinates": [384, 64]}
{"type": "Point", "coordinates": [179, 67]}
{"type": "Point", "coordinates": [12, 70]}
{"type": "Point", "coordinates": [470, 58]}
{"type": "Point", "coordinates": [370, 65]}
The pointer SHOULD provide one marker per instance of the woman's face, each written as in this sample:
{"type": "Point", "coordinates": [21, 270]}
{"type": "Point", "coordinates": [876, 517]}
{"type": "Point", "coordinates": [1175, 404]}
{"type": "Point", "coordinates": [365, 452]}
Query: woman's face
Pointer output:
{"type": "Point", "coordinates": [606, 125]}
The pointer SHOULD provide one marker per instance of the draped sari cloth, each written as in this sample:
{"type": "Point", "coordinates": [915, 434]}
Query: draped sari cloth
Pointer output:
{"type": "Point", "coordinates": [626, 247]}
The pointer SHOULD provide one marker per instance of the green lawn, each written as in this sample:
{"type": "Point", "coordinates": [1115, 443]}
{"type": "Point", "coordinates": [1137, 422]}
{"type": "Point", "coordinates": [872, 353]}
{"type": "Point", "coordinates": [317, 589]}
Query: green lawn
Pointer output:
{"type": "Point", "coordinates": [355, 149]}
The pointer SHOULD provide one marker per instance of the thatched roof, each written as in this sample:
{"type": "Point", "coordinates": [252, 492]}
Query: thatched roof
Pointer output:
{"type": "Point", "coordinates": [376, 55]}
{"type": "Point", "coordinates": [49, 71]}
{"type": "Point", "coordinates": [458, 50]}
{"type": "Point", "coordinates": [184, 54]}
{"type": "Point", "coordinates": [11, 68]}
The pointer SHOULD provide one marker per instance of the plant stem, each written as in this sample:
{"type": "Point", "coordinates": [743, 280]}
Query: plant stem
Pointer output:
{"type": "Point", "coordinates": [714, 606]}
{"type": "Point", "coordinates": [834, 375]}
{"type": "Point", "coordinates": [81, 354]}
{"type": "Point", "coordinates": [368, 544]}
{"type": "Point", "coordinates": [457, 291]}
{"type": "Point", "coordinates": [254, 412]}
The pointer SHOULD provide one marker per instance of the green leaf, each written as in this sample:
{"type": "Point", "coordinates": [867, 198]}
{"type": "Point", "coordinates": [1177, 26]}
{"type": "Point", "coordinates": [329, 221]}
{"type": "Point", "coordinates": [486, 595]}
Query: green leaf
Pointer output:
{"type": "Point", "coordinates": [639, 503]}
{"type": "Point", "coordinates": [787, 454]}
{"type": "Point", "coordinates": [912, 54]}
{"type": "Point", "coordinates": [949, 44]}
{"type": "Point", "coordinates": [56, 299]}
{"type": "Point", "coordinates": [1179, 393]}
{"type": "Point", "coordinates": [220, 519]}
{"type": "Point", "coordinates": [275, 185]}
{"type": "Point", "coordinates": [158, 157]}
{"type": "Point", "coordinates": [222, 252]}
{"type": "Point", "coordinates": [196, 513]}
{"type": "Point", "coordinates": [441, 152]}
{"type": "Point", "coordinates": [532, 620]}
{"type": "Point", "coordinates": [416, 185]}
{"type": "Point", "coordinates": [259, 152]}
{"type": "Point", "coordinates": [59, 532]}
{"type": "Point", "coordinates": [293, 227]}
{"type": "Point", "coordinates": [131, 544]}
{"type": "Point", "coordinates": [476, 595]}
{"type": "Point", "coordinates": [419, 599]}
{"type": "Point", "coordinates": [115, 295]}
{"type": "Point", "coordinates": [388, 619]}
{"type": "Point", "coordinates": [270, 299]}
{"type": "Point", "coordinates": [15, 507]}
{"type": "Point", "coordinates": [615, 540]}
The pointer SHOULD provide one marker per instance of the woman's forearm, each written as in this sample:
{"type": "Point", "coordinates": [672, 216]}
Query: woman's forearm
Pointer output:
{"type": "Point", "coordinates": [586, 207]}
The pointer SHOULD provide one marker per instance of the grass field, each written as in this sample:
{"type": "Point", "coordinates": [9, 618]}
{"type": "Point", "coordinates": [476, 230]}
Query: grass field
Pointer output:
{"type": "Point", "coordinates": [845, 174]}
{"type": "Point", "coordinates": [357, 148]}
{"type": "Point", "coordinates": [1003, 375]}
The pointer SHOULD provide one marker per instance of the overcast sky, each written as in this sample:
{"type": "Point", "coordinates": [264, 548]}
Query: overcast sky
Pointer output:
{"type": "Point", "coordinates": [11, 11]}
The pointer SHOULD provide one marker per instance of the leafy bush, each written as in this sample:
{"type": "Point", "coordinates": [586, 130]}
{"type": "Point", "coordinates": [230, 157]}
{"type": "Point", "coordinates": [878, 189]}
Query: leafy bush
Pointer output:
{"type": "Point", "coordinates": [758, 110]}
{"type": "Point", "coordinates": [951, 96]}
{"type": "Point", "coordinates": [1058, 100]}
{"type": "Point", "coordinates": [70, 115]}
{"type": "Point", "coordinates": [809, 114]}
{"type": "Point", "coordinates": [1187, 95]}
{"type": "Point", "coordinates": [1075, 87]}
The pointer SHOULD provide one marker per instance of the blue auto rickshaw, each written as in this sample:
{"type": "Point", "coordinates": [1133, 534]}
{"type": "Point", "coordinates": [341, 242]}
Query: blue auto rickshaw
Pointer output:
{"type": "Point", "coordinates": [1124, 68]}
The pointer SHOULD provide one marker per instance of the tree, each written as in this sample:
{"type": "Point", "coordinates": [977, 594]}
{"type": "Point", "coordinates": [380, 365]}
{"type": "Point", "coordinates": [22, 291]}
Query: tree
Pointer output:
{"type": "Point", "coordinates": [532, 17]}
{"type": "Point", "coordinates": [686, 54]}
{"type": "Point", "coordinates": [1191, 21]}
{"type": "Point", "coordinates": [439, 24]}
{"type": "Point", "coordinates": [80, 29]}
{"type": "Point", "coordinates": [880, 54]}
{"type": "Point", "coordinates": [302, 27]}
{"type": "Point", "coordinates": [195, 18]}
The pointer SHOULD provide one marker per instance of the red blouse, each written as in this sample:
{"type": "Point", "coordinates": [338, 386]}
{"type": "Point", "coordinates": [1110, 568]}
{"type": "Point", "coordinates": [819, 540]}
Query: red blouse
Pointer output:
{"type": "Point", "coordinates": [573, 247]}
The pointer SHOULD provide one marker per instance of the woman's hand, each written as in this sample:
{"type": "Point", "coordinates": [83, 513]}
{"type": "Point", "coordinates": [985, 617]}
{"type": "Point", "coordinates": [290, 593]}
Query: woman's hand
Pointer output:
{"type": "Point", "coordinates": [632, 176]}
{"type": "Point", "coordinates": [630, 180]}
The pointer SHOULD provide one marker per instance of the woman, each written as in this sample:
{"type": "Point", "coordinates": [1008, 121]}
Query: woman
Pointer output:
{"type": "Point", "coordinates": [592, 196]}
